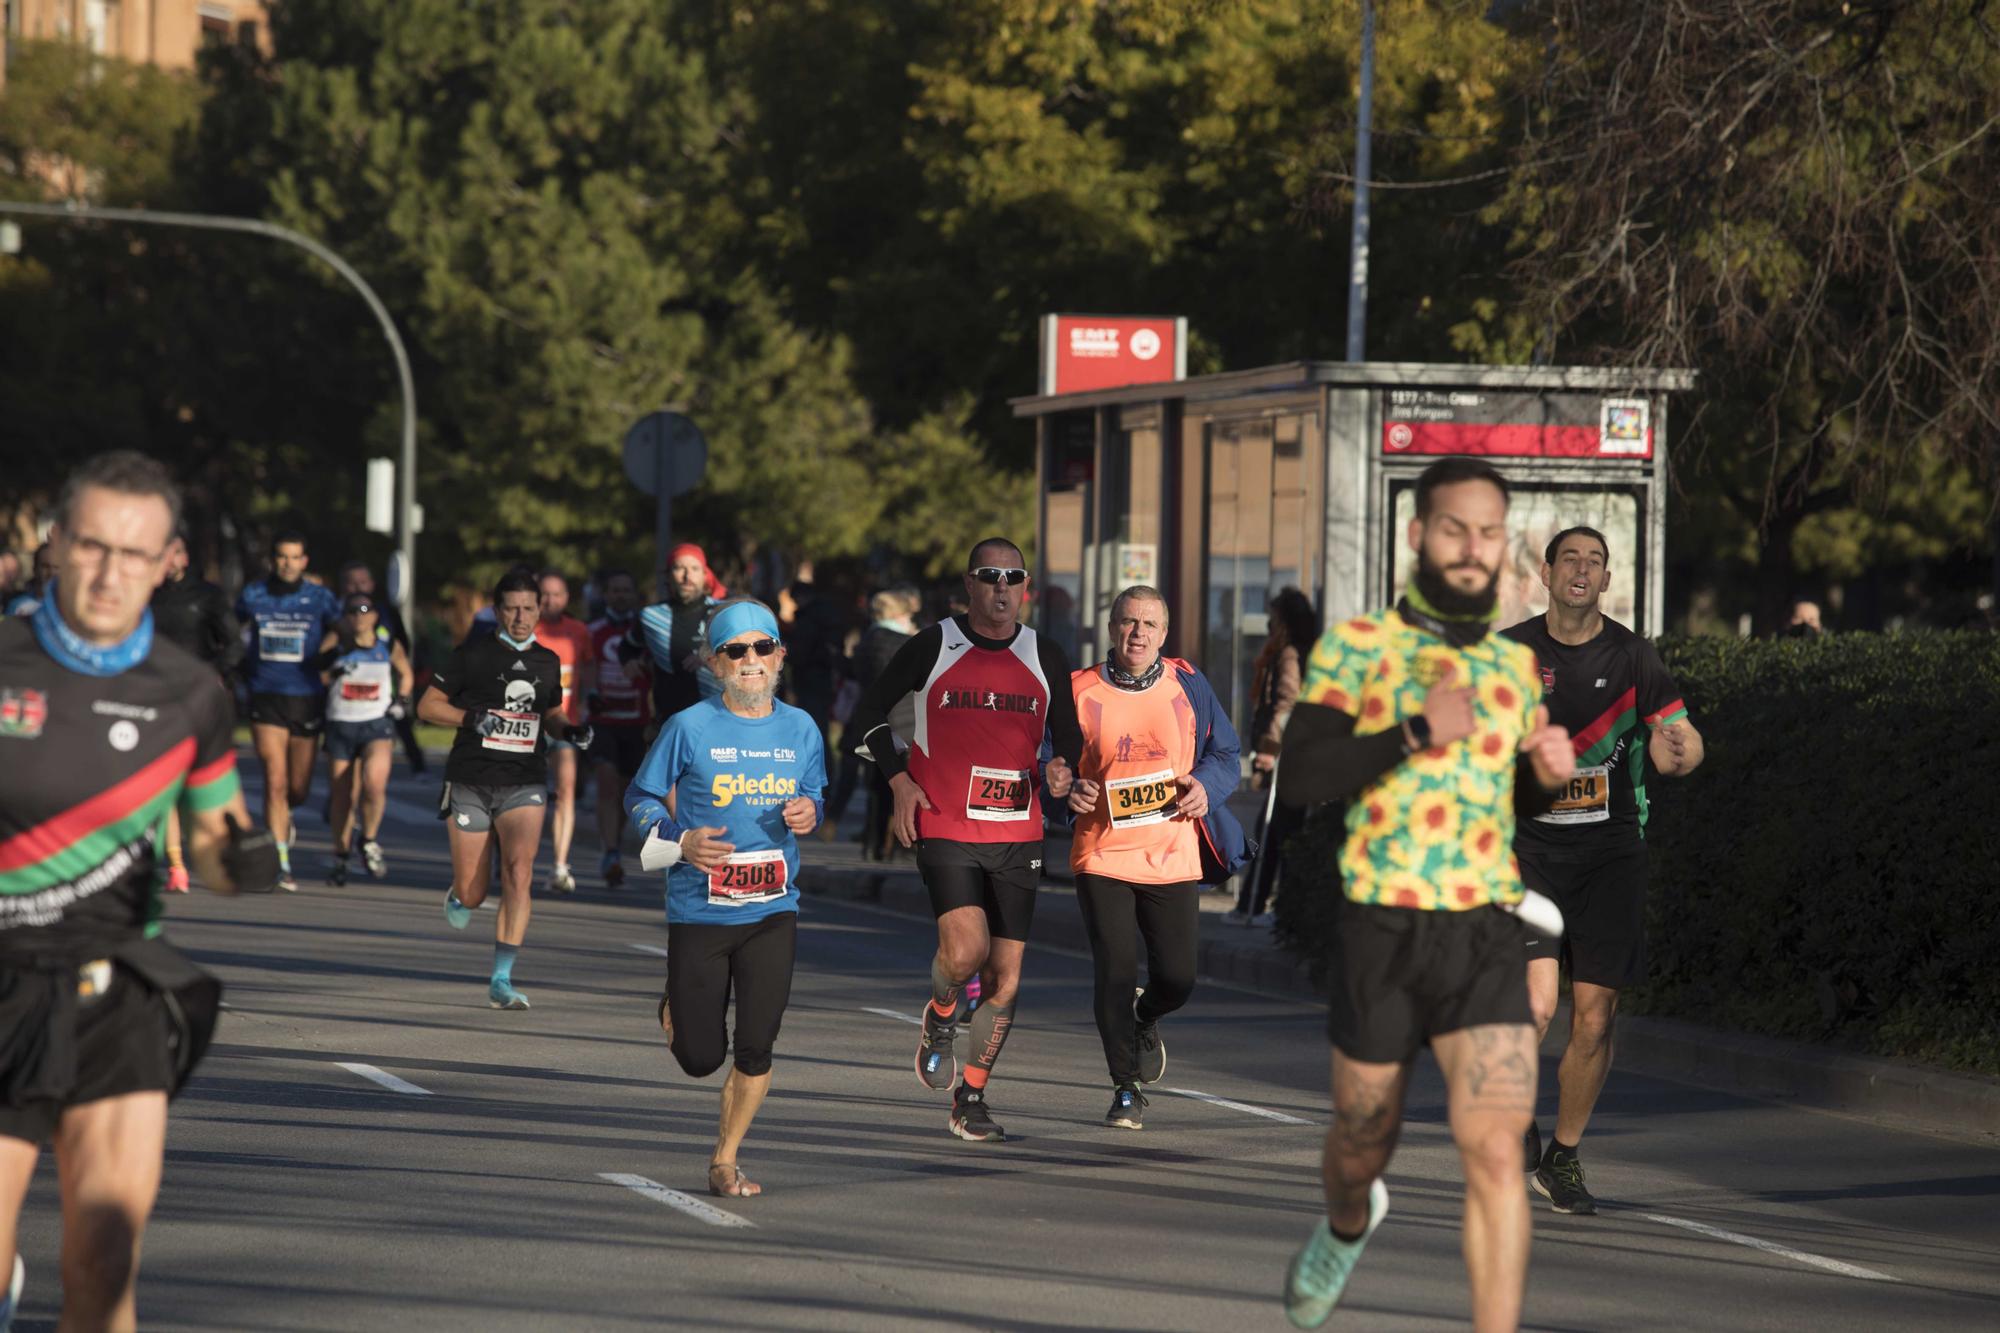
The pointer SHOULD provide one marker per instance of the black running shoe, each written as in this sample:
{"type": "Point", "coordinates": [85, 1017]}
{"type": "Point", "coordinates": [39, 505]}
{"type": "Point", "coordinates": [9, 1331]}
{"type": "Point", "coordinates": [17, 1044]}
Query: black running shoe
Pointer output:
{"type": "Point", "coordinates": [1560, 1181]}
{"type": "Point", "coordinates": [1531, 1148]}
{"type": "Point", "coordinates": [336, 874]}
{"type": "Point", "coordinates": [970, 1120]}
{"type": "Point", "coordinates": [1128, 1108]}
{"type": "Point", "coordinates": [937, 1066]}
{"type": "Point", "coordinates": [1152, 1051]}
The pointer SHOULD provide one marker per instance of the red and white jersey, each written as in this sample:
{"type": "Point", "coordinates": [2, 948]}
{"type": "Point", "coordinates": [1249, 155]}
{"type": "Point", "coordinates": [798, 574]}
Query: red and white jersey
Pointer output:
{"type": "Point", "coordinates": [978, 729]}
{"type": "Point", "coordinates": [622, 700]}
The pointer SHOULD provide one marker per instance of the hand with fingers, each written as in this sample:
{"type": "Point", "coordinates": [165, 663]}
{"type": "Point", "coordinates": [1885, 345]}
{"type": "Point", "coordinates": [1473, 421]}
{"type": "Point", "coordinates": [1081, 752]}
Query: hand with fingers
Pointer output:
{"type": "Point", "coordinates": [704, 849]}
{"type": "Point", "coordinates": [1059, 777]}
{"type": "Point", "coordinates": [909, 797]}
{"type": "Point", "coordinates": [1083, 795]}
{"type": "Point", "coordinates": [800, 815]}
{"type": "Point", "coordinates": [1549, 750]}
{"type": "Point", "coordinates": [1449, 709]}
{"type": "Point", "coordinates": [1192, 803]}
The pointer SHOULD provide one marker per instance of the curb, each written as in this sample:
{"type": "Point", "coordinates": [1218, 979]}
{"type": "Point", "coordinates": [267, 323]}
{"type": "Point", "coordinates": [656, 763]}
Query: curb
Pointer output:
{"type": "Point", "coordinates": [1767, 1068]}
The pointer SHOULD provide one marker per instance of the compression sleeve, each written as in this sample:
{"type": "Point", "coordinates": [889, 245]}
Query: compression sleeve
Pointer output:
{"type": "Point", "coordinates": [1065, 733]}
{"type": "Point", "coordinates": [906, 673]}
{"type": "Point", "coordinates": [664, 765]}
{"type": "Point", "coordinates": [1323, 760]}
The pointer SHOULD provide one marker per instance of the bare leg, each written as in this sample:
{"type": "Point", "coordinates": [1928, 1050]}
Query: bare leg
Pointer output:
{"type": "Point", "coordinates": [1543, 982]}
{"type": "Point", "coordinates": [376, 761]}
{"type": "Point", "coordinates": [1367, 1120]}
{"type": "Point", "coordinates": [1490, 1071]}
{"type": "Point", "coordinates": [963, 944]}
{"type": "Point", "coordinates": [273, 751]}
{"type": "Point", "coordinates": [340, 812]}
{"type": "Point", "coordinates": [300, 754]}
{"type": "Point", "coordinates": [17, 1168]}
{"type": "Point", "coordinates": [520, 832]}
{"type": "Point", "coordinates": [108, 1156]}
{"type": "Point", "coordinates": [742, 1094]}
{"type": "Point", "coordinates": [1586, 1061]}
{"type": "Point", "coordinates": [471, 864]}
{"type": "Point", "coordinates": [562, 767]}
{"type": "Point", "coordinates": [174, 857]}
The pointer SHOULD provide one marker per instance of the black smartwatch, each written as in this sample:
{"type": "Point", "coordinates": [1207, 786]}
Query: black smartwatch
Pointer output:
{"type": "Point", "coordinates": [1420, 729]}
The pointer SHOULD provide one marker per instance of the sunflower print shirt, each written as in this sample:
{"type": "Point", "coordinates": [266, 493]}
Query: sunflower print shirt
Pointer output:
{"type": "Point", "coordinates": [1436, 832]}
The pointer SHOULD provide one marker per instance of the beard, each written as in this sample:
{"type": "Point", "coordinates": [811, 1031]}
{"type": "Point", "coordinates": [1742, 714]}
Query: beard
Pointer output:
{"type": "Point", "coordinates": [1448, 600]}
{"type": "Point", "coordinates": [746, 696]}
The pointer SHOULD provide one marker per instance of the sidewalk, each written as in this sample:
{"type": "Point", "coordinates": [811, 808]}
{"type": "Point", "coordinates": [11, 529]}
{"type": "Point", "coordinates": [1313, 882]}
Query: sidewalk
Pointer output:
{"type": "Point", "coordinates": [1912, 1096]}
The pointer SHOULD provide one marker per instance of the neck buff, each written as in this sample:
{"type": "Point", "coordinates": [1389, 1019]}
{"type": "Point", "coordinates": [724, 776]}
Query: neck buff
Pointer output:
{"type": "Point", "coordinates": [518, 645]}
{"type": "Point", "coordinates": [1125, 680]}
{"type": "Point", "coordinates": [282, 588]}
{"type": "Point", "coordinates": [1455, 618]}
{"type": "Point", "coordinates": [72, 650]}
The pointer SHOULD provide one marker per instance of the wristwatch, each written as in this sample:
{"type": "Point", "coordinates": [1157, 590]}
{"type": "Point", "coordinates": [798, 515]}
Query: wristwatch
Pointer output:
{"type": "Point", "coordinates": [1419, 728]}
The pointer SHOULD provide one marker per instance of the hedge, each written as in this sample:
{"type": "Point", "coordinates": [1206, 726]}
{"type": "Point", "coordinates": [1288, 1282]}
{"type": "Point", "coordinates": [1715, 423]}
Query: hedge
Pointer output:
{"type": "Point", "coordinates": [1832, 871]}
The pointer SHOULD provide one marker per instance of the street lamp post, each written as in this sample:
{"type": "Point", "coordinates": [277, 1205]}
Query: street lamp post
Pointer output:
{"type": "Point", "coordinates": [406, 487]}
{"type": "Point", "coordinates": [1357, 249]}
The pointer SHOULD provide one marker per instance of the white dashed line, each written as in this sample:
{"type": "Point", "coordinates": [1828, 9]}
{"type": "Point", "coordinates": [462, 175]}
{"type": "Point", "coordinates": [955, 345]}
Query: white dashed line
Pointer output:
{"type": "Point", "coordinates": [684, 1203]}
{"type": "Point", "coordinates": [389, 1081]}
{"type": "Point", "coordinates": [651, 948]}
{"type": "Point", "coordinates": [891, 1013]}
{"type": "Point", "coordinates": [1771, 1247]}
{"type": "Point", "coordinates": [1214, 1100]}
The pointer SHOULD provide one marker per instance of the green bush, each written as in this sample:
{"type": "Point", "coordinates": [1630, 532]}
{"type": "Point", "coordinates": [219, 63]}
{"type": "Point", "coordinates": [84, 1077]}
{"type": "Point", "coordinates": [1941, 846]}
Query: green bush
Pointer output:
{"type": "Point", "coordinates": [1832, 871]}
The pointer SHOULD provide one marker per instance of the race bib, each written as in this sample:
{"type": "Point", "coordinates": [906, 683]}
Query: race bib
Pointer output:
{"type": "Point", "coordinates": [282, 643]}
{"type": "Point", "coordinates": [748, 877]}
{"type": "Point", "coordinates": [516, 732]}
{"type": "Point", "coordinates": [1138, 801]}
{"type": "Point", "coordinates": [360, 691]}
{"type": "Point", "coordinates": [997, 795]}
{"type": "Point", "coordinates": [1584, 799]}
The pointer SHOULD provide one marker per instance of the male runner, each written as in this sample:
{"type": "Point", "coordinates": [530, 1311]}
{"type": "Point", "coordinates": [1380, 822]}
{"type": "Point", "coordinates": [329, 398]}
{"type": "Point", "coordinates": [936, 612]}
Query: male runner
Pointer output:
{"type": "Point", "coordinates": [746, 774]}
{"type": "Point", "coordinates": [1423, 717]}
{"type": "Point", "coordinates": [502, 692]}
{"type": "Point", "coordinates": [288, 617]}
{"type": "Point", "coordinates": [1150, 802]}
{"type": "Point", "coordinates": [965, 795]}
{"type": "Point", "coordinates": [29, 600]}
{"type": "Point", "coordinates": [1609, 688]}
{"type": "Point", "coordinates": [190, 611]}
{"type": "Point", "coordinates": [368, 687]}
{"type": "Point", "coordinates": [618, 707]}
{"type": "Point", "coordinates": [672, 631]}
{"type": "Point", "coordinates": [104, 726]}
{"type": "Point", "coordinates": [569, 639]}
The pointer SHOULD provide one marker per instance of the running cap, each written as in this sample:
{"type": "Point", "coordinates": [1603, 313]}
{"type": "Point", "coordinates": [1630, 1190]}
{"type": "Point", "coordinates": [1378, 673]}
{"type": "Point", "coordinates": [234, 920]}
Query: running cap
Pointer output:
{"type": "Point", "coordinates": [734, 618]}
{"type": "Point", "coordinates": [715, 588]}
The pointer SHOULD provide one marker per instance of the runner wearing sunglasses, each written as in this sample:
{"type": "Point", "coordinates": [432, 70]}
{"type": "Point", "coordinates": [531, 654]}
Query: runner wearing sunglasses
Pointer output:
{"type": "Point", "coordinates": [965, 797]}
{"type": "Point", "coordinates": [746, 775]}
{"type": "Point", "coordinates": [368, 683]}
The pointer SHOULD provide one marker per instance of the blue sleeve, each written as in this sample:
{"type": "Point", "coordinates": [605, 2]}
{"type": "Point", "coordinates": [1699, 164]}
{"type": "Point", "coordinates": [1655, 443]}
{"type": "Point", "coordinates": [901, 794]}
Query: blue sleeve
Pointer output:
{"type": "Point", "coordinates": [330, 613]}
{"type": "Point", "coordinates": [812, 781]}
{"type": "Point", "coordinates": [1218, 764]}
{"type": "Point", "coordinates": [665, 764]}
{"type": "Point", "coordinates": [656, 625]}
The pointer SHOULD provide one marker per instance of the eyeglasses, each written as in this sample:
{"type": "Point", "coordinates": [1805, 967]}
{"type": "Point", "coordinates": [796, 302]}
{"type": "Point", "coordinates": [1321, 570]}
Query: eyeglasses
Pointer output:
{"type": "Point", "coordinates": [127, 559]}
{"type": "Point", "coordinates": [988, 574]}
{"type": "Point", "coordinates": [736, 652]}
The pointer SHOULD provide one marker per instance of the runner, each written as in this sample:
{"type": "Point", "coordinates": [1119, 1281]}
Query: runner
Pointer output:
{"type": "Point", "coordinates": [29, 600]}
{"type": "Point", "coordinates": [619, 708]}
{"type": "Point", "coordinates": [1425, 718]}
{"type": "Point", "coordinates": [569, 639]}
{"type": "Point", "coordinates": [103, 726]}
{"type": "Point", "coordinates": [286, 616]}
{"type": "Point", "coordinates": [730, 764]}
{"type": "Point", "coordinates": [502, 692]}
{"type": "Point", "coordinates": [368, 687]}
{"type": "Point", "coordinates": [672, 631]}
{"type": "Point", "coordinates": [1588, 854]}
{"type": "Point", "coordinates": [356, 576]}
{"type": "Point", "coordinates": [1160, 761]}
{"type": "Point", "coordinates": [194, 613]}
{"type": "Point", "coordinates": [965, 797]}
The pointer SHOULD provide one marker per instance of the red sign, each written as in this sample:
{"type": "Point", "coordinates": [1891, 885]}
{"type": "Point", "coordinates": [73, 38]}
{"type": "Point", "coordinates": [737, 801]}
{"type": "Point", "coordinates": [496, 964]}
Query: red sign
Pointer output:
{"type": "Point", "coordinates": [1082, 352]}
{"type": "Point", "coordinates": [1515, 424]}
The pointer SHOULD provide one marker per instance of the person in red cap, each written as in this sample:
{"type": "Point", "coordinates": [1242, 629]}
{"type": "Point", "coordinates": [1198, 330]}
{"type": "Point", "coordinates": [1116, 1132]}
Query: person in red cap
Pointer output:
{"type": "Point", "coordinates": [673, 633]}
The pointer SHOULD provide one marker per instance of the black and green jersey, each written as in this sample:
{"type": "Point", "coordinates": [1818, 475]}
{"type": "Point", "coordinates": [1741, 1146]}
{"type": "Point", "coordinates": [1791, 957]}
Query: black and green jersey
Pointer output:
{"type": "Point", "coordinates": [1610, 693]}
{"type": "Point", "coordinates": [89, 766]}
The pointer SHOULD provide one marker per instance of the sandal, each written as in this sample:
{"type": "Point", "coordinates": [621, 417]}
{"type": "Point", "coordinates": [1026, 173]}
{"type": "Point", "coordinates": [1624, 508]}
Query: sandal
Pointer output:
{"type": "Point", "coordinates": [727, 1181]}
{"type": "Point", "coordinates": [666, 1024]}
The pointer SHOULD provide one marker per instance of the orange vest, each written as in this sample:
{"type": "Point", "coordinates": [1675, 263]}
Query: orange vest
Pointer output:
{"type": "Point", "coordinates": [1135, 744]}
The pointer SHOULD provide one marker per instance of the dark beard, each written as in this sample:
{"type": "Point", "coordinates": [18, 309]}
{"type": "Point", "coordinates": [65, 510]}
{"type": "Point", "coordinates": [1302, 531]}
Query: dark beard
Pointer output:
{"type": "Point", "coordinates": [1448, 601]}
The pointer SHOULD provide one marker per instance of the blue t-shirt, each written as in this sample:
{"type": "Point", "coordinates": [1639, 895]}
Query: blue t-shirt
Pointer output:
{"type": "Point", "coordinates": [736, 773]}
{"type": "Point", "coordinates": [286, 630]}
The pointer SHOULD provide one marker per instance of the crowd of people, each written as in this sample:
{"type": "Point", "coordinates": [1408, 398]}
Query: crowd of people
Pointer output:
{"type": "Point", "coordinates": [1493, 784]}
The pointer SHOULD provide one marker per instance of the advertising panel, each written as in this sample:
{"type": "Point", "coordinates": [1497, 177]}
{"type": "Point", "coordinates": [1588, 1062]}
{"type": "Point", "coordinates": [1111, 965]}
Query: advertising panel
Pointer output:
{"type": "Point", "coordinates": [1083, 352]}
{"type": "Point", "coordinates": [1515, 424]}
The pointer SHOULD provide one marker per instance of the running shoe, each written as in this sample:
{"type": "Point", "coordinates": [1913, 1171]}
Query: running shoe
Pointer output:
{"type": "Point", "coordinates": [177, 879]}
{"type": "Point", "coordinates": [336, 874]}
{"type": "Point", "coordinates": [502, 995]}
{"type": "Point", "coordinates": [371, 856]}
{"type": "Point", "coordinates": [456, 913]}
{"type": "Point", "coordinates": [1531, 1148]}
{"type": "Point", "coordinates": [12, 1301]}
{"type": "Point", "coordinates": [1320, 1270]}
{"type": "Point", "coordinates": [1236, 916]}
{"type": "Point", "coordinates": [1559, 1179]}
{"type": "Point", "coordinates": [613, 869]}
{"type": "Point", "coordinates": [561, 881]}
{"type": "Point", "coordinates": [937, 1066]}
{"type": "Point", "coordinates": [286, 882]}
{"type": "Point", "coordinates": [1152, 1050]}
{"type": "Point", "coordinates": [970, 1119]}
{"type": "Point", "coordinates": [1128, 1108]}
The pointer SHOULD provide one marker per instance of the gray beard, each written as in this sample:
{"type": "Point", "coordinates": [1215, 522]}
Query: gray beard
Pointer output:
{"type": "Point", "coordinates": [741, 700]}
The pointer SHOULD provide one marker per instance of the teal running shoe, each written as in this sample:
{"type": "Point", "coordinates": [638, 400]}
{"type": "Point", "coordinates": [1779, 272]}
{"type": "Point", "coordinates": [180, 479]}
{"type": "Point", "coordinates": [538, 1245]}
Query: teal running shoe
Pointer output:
{"type": "Point", "coordinates": [502, 995]}
{"type": "Point", "coordinates": [1319, 1272]}
{"type": "Point", "coordinates": [456, 913]}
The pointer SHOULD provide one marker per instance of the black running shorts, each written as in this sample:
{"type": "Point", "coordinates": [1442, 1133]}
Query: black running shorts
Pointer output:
{"type": "Point", "coordinates": [621, 746]}
{"type": "Point", "coordinates": [1001, 877]}
{"type": "Point", "coordinates": [1403, 976]}
{"type": "Point", "coordinates": [1603, 901]}
{"type": "Point", "coordinates": [120, 1041]}
{"type": "Point", "coordinates": [298, 714]}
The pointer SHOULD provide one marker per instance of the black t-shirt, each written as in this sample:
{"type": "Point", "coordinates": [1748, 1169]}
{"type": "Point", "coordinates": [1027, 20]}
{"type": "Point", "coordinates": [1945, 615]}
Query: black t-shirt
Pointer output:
{"type": "Point", "coordinates": [89, 766]}
{"type": "Point", "coordinates": [520, 684]}
{"type": "Point", "coordinates": [1610, 693]}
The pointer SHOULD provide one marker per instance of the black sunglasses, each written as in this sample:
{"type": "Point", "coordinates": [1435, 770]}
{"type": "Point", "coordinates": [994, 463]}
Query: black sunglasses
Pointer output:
{"type": "Point", "coordinates": [988, 574]}
{"type": "Point", "coordinates": [736, 652]}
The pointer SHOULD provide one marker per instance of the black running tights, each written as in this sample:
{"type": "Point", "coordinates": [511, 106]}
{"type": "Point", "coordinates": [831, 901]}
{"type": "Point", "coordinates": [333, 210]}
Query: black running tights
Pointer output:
{"type": "Point", "coordinates": [705, 963]}
{"type": "Point", "coordinates": [1116, 915]}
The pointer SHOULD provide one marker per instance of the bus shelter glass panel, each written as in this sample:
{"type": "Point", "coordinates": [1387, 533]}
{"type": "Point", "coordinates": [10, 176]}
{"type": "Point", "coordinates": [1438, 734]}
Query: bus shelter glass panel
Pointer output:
{"type": "Point", "coordinates": [1071, 473]}
{"type": "Point", "coordinates": [1134, 485]}
{"type": "Point", "coordinates": [1239, 556]}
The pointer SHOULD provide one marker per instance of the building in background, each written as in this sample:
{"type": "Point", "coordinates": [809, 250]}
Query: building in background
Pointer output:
{"type": "Point", "coordinates": [167, 33]}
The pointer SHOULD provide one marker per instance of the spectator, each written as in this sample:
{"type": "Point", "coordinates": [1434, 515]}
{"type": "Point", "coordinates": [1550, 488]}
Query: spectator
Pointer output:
{"type": "Point", "coordinates": [1803, 621]}
{"type": "Point", "coordinates": [1280, 668]}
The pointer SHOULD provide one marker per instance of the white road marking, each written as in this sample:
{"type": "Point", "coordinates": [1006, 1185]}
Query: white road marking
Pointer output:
{"type": "Point", "coordinates": [1266, 1112]}
{"type": "Point", "coordinates": [891, 1013]}
{"type": "Point", "coordinates": [651, 948]}
{"type": "Point", "coordinates": [685, 1203]}
{"type": "Point", "coordinates": [1771, 1247]}
{"type": "Point", "coordinates": [389, 1081]}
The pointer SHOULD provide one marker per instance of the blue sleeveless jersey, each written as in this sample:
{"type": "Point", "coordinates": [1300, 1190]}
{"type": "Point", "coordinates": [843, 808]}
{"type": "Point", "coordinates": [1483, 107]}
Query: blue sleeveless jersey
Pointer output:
{"type": "Point", "coordinates": [285, 634]}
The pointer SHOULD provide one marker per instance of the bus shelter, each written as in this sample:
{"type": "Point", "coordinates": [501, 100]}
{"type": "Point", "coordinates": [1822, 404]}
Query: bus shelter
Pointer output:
{"type": "Point", "coordinates": [1222, 489]}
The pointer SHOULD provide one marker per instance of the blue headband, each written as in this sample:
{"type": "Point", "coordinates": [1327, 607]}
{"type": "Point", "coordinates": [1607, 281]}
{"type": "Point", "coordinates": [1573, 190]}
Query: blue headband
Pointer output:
{"type": "Point", "coordinates": [738, 618]}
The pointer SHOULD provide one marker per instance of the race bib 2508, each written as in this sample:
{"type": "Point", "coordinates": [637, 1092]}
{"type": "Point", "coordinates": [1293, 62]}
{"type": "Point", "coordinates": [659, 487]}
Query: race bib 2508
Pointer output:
{"type": "Point", "coordinates": [997, 795]}
{"type": "Point", "coordinates": [748, 877]}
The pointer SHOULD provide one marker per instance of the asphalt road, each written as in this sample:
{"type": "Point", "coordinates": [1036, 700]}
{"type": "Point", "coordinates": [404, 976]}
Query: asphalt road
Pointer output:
{"type": "Point", "coordinates": [546, 1168]}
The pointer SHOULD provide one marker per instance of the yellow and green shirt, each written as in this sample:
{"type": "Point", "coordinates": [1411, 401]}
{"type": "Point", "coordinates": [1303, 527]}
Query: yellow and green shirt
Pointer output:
{"type": "Point", "coordinates": [1436, 832]}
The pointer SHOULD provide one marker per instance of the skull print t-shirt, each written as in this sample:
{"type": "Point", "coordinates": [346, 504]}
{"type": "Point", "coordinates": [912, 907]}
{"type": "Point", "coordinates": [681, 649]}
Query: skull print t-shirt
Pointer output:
{"type": "Point", "coordinates": [518, 686]}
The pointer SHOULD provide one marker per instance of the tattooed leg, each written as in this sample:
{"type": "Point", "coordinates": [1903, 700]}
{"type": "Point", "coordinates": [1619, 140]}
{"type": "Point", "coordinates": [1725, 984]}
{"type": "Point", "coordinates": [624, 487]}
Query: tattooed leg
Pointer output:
{"type": "Point", "coordinates": [1367, 1117]}
{"type": "Point", "coordinates": [1490, 1071]}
